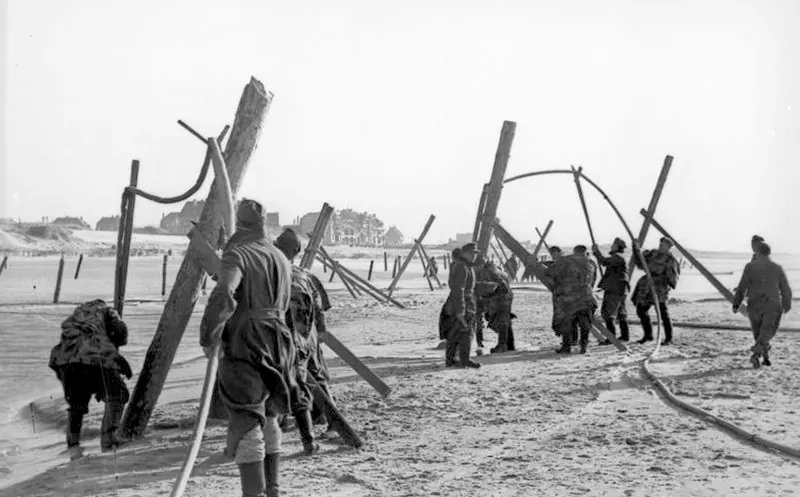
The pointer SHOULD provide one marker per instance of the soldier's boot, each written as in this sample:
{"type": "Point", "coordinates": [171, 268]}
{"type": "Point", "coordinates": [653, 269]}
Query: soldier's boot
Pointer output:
{"type": "Point", "coordinates": [755, 361]}
{"type": "Point", "coordinates": [108, 429]}
{"type": "Point", "coordinates": [252, 477]}
{"type": "Point", "coordinates": [623, 330]}
{"type": "Point", "coordinates": [464, 344]}
{"type": "Point", "coordinates": [271, 467]}
{"type": "Point", "coordinates": [450, 353]}
{"type": "Point", "coordinates": [510, 345]}
{"type": "Point", "coordinates": [502, 339]}
{"type": "Point", "coordinates": [566, 344]}
{"type": "Point", "coordinates": [766, 361]}
{"type": "Point", "coordinates": [647, 328]}
{"type": "Point", "coordinates": [74, 425]}
{"type": "Point", "coordinates": [304, 426]}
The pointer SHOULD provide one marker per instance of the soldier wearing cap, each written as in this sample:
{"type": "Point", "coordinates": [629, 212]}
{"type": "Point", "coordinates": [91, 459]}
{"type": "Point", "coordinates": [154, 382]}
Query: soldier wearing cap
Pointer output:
{"type": "Point", "coordinates": [665, 270]}
{"type": "Point", "coordinates": [306, 318]}
{"type": "Point", "coordinates": [458, 313]}
{"type": "Point", "coordinates": [768, 296]}
{"type": "Point", "coordinates": [615, 286]}
{"type": "Point", "coordinates": [754, 243]}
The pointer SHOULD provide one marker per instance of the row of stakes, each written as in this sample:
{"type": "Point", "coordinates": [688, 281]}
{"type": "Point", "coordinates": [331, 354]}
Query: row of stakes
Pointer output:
{"type": "Point", "coordinates": [57, 293]}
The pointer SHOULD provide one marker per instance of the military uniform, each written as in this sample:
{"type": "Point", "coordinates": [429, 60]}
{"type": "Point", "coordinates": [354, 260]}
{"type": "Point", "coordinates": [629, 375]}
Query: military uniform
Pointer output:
{"type": "Point", "coordinates": [87, 362]}
{"type": "Point", "coordinates": [768, 296]}
{"type": "Point", "coordinates": [246, 312]}
{"type": "Point", "coordinates": [496, 306]}
{"type": "Point", "coordinates": [459, 312]}
{"type": "Point", "coordinates": [614, 284]}
{"type": "Point", "coordinates": [665, 270]}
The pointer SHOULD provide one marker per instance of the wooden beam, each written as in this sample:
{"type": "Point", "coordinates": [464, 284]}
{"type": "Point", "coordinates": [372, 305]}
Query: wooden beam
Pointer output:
{"type": "Point", "coordinates": [253, 107]}
{"type": "Point", "coordinates": [601, 329]}
{"type": "Point", "coordinates": [317, 234]}
{"type": "Point", "coordinates": [354, 362]}
{"type": "Point", "coordinates": [513, 245]}
{"type": "Point", "coordinates": [496, 185]}
{"type": "Point", "coordinates": [410, 255]}
{"type": "Point", "coordinates": [651, 210]}
{"type": "Point", "coordinates": [124, 240]}
{"type": "Point", "coordinates": [576, 174]}
{"type": "Point", "coordinates": [479, 215]}
{"type": "Point", "coordinates": [697, 264]}
{"type": "Point", "coordinates": [424, 267]}
{"type": "Point", "coordinates": [425, 255]}
{"type": "Point", "coordinates": [542, 240]}
{"type": "Point", "coordinates": [368, 287]}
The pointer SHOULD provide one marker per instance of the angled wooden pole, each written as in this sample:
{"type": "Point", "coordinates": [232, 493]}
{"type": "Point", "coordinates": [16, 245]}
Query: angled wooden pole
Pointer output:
{"type": "Point", "coordinates": [541, 237]}
{"type": "Point", "coordinates": [253, 107]}
{"type": "Point", "coordinates": [651, 209]}
{"type": "Point", "coordinates": [316, 236]}
{"type": "Point", "coordinates": [124, 240]}
{"type": "Point", "coordinates": [425, 268]}
{"type": "Point", "coordinates": [369, 274]}
{"type": "Point", "coordinates": [368, 287]}
{"type": "Point", "coordinates": [59, 276]}
{"type": "Point", "coordinates": [495, 185]}
{"type": "Point", "coordinates": [697, 264]}
{"type": "Point", "coordinates": [479, 215]}
{"type": "Point", "coordinates": [576, 173]}
{"type": "Point", "coordinates": [425, 255]}
{"type": "Point", "coordinates": [3, 264]}
{"type": "Point", "coordinates": [78, 267]}
{"type": "Point", "coordinates": [410, 255]}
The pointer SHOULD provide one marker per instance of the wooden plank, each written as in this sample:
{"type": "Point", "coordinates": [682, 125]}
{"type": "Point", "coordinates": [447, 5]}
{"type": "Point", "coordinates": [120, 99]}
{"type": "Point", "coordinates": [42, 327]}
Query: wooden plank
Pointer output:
{"type": "Point", "coordinates": [576, 174]}
{"type": "Point", "coordinates": [424, 268]}
{"type": "Point", "coordinates": [410, 255]}
{"type": "Point", "coordinates": [496, 184]}
{"type": "Point", "coordinates": [317, 234]}
{"type": "Point", "coordinates": [651, 210]}
{"type": "Point", "coordinates": [601, 329]}
{"type": "Point", "coordinates": [354, 362]}
{"type": "Point", "coordinates": [542, 238]}
{"type": "Point", "coordinates": [124, 240]}
{"type": "Point", "coordinates": [335, 418]}
{"type": "Point", "coordinates": [697, 264]}
{"type": "Point", "coordinates": [253, 107]}
{"type": "Point", "coordinates": [425, 255]}
{"type": "Point", "coordinates": [59, 276]}
{"type": "Point", "coordinates": [78, 267]}
{"type": "Point", "coordinates": [366, 285]}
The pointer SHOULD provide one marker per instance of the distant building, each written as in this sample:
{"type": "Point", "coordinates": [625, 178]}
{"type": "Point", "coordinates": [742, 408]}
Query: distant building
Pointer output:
{"type": "Point", "coordinates": [179, 223]}
{"type": "Point", "coordinates": [393, 237]}
{"type": "Point", "coordinates": [72, 222]}
{"type": "Point", "coordinates": [108, 224]}
{"type": "Point", "coordinates": [463, 237]}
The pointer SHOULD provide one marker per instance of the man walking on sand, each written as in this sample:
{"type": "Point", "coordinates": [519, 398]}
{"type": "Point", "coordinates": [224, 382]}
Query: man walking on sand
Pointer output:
{"type": "Point", "coordinates": [245, 312]}
{"type": "Point", "coordinates": [87, 362]}
{"type": "Point", "coordinates": [459, 309]}
{"type": "Point", "coordinates": [306, 318]}
{"type": "Point", "coordinates": [614, 284]}
{"type": "Point", "coordinates": [768, 297]}
{"type": "Point", "coordinates": [665, 270]}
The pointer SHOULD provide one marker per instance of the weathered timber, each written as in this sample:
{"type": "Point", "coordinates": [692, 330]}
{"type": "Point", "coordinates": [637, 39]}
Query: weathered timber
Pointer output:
{"type": "Point", "coordinates": [368, 287]}
{"type": "Point", "coordinates": [124, 240]}
{"type": "Point", "coordinates": [355, 363]}
{"type": "Point", "coordinates": [78, 267]}
{"type": "Point", "coordinates": [479, 215]}
{"type": "Point", "coordinates": [316, 236]}
{"type": "Point", "coordinates": [57, 293]}
{"type": "Point", "coordinates": [410, 255]}
{"type": "Point", "coordinates": [425, 255]}
{"type": "Point", "coordinates": [495, 185]}
{"type": "Point", "coordinates": [164, 276]}
{"type": "Point", "coordinates": [253, 107]}
{"type": "Point", "coordinates": [651, 209]}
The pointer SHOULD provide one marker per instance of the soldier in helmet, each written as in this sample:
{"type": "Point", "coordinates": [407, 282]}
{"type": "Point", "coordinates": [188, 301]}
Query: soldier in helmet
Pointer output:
{"type": "Point", "coordinates": [459, 309]}
{"type": "Point", "coordinates": [665, 270]}
{"type": "Point", "coordinates": [614, 284]}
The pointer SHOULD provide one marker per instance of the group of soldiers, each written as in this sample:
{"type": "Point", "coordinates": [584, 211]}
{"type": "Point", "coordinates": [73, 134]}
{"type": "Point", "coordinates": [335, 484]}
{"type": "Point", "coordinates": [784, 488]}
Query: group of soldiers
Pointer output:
{"type": "Point", "coordinates": [265, 315]}
{"type": "Point", "coordinates": [479, 289]}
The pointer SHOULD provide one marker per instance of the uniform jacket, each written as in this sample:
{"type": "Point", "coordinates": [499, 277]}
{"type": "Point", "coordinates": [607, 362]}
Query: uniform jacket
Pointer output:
{"type": "Point", "coordinates": [765, 284]}
{"type": "Point", "coordinates": [665, 271]}
{"type": "Point", "coordinates": [615, 279]}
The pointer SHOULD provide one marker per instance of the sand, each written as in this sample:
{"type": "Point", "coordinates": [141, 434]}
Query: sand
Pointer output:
{"type": "Point", "coordinates": [527, 423]}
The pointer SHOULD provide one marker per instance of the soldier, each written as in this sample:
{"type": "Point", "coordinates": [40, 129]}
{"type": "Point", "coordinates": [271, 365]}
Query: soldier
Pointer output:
{"type": "Point", "coordinates": [665, 271]}
{"type": "Point", "coordinates": [615, 288]}
{"type": "Point", "coordinates": [458, 313]}
{"type": "Point", "coordinates": [754, 243]}
{"type": "Point", "coordinates": [87, 362]}
{"type": "Point", "coordinates": [571, 280]}
{"type": "Point", "coordinates": [768, 294]}
{"type": "Point", "coordinates": [245, 312]}
{"type": "Point", "coordinates": [496, 303]}
{"type": "Point", "coordinates": [306, 311]}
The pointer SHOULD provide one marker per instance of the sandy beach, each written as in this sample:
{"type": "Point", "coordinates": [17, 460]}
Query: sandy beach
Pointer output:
{"type": "Point", "coordinates": [529, 422]}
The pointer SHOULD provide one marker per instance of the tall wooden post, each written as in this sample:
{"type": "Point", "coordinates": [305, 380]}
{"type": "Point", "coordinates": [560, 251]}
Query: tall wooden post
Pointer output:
{"type": "Point", "coordinates": [410, 255]}
{"type": "Point", "coordinates": [320, 227]}
{"type": "Point", "coordinates": [394, 268]}
{"type": "Point", "coordinates": [78, 267]}
{"type": "Point", "coordinates": [253, 108]}
{"type": "Point", "coordinates": [651, 209]}
{"type": "Point", "coordinates": [369, 274]}
{"type": "Point", "coordinates": [479, 215]}
{"type": "Point", "coordinates": [385, 262]}
{"type": "Point", "coordinates": [495, 185]}
{"type": "Point", "coordinates": [164, 276]}
{"type": "Point", "coordinates": [124, 239]}
{"type": "Point", "coordinates": [60, 275]}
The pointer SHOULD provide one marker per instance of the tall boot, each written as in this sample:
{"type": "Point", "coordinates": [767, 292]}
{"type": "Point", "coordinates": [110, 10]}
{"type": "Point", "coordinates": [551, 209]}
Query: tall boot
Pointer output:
{"type": "Point", "coordinates": [464, 344]}
{"type": "Point", "coordinates": [74, 425]}
{"type": "Point", "coordinates": [271, 468]}
{"type": "Point", "coordinates": [647, 326]}
{"type": "Point", "coordinates": [510, 345]}
{"type": "Point", "coordinates": [450, 352]}
{"type": "Point", "coordinates": [108, 429]}
{"type": "Point", "coordinates": [305, 427]}
{"type": "Point", "coordinates": [253, 481]}
{"type": "Point", "coordinates": [623, 329]}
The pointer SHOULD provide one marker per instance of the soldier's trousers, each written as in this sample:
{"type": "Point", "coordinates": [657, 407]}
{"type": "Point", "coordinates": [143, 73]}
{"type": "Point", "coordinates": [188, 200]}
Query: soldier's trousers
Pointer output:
{"type": "Point", "coordinates": [614, 307]}
{"type": "Point", "coordinates": [647, 325]}
{"type": "Point", "coordinates": [459, 340]}
{"type": "Point", "coordinates": [764, 321]}
{"type": "Point", "coordinates": [579, 323]}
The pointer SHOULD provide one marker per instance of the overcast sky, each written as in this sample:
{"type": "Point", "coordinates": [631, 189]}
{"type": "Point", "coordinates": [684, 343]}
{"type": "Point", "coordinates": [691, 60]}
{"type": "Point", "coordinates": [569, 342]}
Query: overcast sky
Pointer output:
{"type": "Point", "coordinates": [396, 108]}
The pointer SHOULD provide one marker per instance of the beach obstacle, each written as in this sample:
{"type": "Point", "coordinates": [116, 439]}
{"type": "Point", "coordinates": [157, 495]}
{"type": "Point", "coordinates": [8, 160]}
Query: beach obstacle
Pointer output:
{"type": "Point", "coordinates": [253, 107]}
{"type": "Point", "coordinates": [78, 267]}
{"type": "Point", "coordinates": [164, 276]}
{"type": "Point", "coordinates": [410, 256]}
{"type": "Point", "coordinates": [3, 264]}
{"type": "Point", "coordinates": [651, 210]}
{"type": "Point", "coordinates": [59, 277]}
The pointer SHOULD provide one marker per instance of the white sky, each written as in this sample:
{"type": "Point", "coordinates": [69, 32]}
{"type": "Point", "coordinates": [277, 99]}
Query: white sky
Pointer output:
{"type": "Point", "coordinates": [396, 108]}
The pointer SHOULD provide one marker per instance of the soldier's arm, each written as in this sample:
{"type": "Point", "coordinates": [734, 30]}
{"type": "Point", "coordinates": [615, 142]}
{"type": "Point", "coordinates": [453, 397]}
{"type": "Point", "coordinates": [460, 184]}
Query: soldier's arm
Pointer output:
{"type": "Point", "coordinates": [604, 261]}
{"type": "Point", "coordinates": [741, 289]}
{"type": "Point", "coordinates": [458, 284]}
{"type": "Point", "coordinates": [116, 329]}
{"type": "Point", "coordinates": [786, 291]}
{"type": "Point", "coordinates": [221, 303]}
